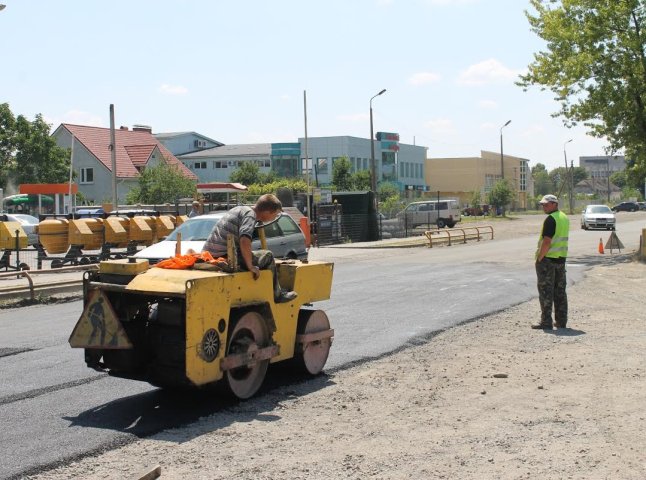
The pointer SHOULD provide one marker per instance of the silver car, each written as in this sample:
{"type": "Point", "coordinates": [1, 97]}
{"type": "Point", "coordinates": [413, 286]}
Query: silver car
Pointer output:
{"type": "Point", "coordinates": [284, 238]}
{"type": "Point", "coordinates": [598, 216]}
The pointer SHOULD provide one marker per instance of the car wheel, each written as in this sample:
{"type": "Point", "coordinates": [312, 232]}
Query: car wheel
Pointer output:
{"type": "Point", "coordinates": [440, 223]}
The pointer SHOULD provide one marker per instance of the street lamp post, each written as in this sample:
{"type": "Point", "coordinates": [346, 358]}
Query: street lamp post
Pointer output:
{"type": "Point", "coordinates": [373, 168]}
{"type": "Point", "coordinates": [566, 175]}
{"type": "Point", "coordinates": [502, 163]}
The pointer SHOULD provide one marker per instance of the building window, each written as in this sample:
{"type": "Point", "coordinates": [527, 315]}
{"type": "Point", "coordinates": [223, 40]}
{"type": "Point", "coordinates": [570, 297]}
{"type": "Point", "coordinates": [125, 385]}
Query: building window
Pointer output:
{"type": "Point", "coordinates": [306, 166]}
{"type": "Point", "coordinates": [490, 181]}
{"type": "Point", "coordinates": [198, 165]}
{"type": "Point", "coordinates": [219, 164]}
{"type": "Point", "coordinates": [87, 175]}
{"type": "Point", "coordinates": [321, 165]}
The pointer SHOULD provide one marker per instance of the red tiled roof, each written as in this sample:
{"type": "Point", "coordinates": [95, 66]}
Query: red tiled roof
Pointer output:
{"type": "Point", "coordinates": [131, 148]}
{"type": "Point", "coordinates": [140, 154]}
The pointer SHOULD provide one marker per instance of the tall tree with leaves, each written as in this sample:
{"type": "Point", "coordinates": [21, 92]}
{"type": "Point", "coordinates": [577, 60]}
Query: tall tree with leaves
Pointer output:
{"type": "Point", "coordinates": [542, 182]}
{"type": "Point", "coordinates": [361, 180]}
{"type": "Point", "coordinates": [341, 174]}
{"type": "Point", "coordinates": [501, 194]}
{"type": "Point", "coordinates": [161, 184]}
{"type": "Point", "coordinates": [27, 152]}
{"type": "Point", "coordinates": [7, 141]}
{"type": "Point", "coordinates": [38, 158]}
{"type": "Point", "coordinates": [248, 173]}
{"type": "Point", "coordinates": [595, 64]}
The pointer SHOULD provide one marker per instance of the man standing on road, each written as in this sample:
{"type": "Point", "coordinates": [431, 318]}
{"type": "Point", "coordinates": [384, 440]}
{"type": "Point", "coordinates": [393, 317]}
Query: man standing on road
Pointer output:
{"type": "Point", "coordinates": [550, 265]}
{"type": "Point", "coordinates": [240, 222]}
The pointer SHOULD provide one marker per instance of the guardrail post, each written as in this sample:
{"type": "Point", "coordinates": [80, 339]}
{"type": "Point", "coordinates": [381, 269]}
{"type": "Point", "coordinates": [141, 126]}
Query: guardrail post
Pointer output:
{"type": "Point", "coordinates": [17, 249]}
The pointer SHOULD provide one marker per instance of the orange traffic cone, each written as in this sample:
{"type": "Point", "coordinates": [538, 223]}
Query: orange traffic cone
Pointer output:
{"type": "Point", "coordinates": [601, 246]}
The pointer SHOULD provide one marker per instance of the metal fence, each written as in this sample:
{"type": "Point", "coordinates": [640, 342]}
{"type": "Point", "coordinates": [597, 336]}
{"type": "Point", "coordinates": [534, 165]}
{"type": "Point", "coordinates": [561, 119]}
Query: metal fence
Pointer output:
{"type": "Point", "coordinates": [356, 228]}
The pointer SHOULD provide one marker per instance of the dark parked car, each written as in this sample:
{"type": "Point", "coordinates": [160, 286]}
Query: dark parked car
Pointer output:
{"type": "Point", "coordinates": [642, 205]}
{"type": "Point", "coordinates": [626, 207]}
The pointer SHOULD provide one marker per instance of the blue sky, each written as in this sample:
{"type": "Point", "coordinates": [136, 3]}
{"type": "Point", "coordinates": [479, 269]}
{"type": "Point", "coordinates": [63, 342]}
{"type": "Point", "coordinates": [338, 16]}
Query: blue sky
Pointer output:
{"type": "Point", "coordinates": [236, 71]}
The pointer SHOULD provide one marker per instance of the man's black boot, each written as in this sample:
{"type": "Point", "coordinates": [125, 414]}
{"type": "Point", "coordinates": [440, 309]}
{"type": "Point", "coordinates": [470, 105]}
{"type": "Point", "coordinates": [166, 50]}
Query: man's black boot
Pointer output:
{"type": "Point", "coordinates": [541, 326]}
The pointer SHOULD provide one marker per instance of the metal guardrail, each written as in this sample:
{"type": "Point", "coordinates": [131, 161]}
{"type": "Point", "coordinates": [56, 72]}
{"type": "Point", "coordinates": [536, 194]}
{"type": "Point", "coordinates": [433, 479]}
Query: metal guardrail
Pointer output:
{"type": "Point", "coordinates": [29, 273]}
{"type": "Point", "coordinates": [463, 234]}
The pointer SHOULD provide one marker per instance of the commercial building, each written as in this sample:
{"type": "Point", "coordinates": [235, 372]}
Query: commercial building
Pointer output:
{"type": "Point", "coordinates": [460, 177]}
{"type": "Point", "coordinates": [398, 163]}
{"type": "Point", "coordinates": [602, 166]}
{"type": "Point", "coordinates": [216, 164]}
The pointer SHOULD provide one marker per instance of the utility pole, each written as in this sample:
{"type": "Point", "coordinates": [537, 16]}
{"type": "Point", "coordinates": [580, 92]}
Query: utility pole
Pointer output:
{"type": "Point", "coordinates": [113, 154]}
{"type": "Point", "coordinates": [566, 174]}
{"type": "Point", "coordinates": [373, 166]}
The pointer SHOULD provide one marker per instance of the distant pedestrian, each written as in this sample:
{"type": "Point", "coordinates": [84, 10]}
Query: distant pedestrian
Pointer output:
{"type": "Point", "coordinates": [550, 265]}
{"type": "Point", "coordinates": [195, 210]}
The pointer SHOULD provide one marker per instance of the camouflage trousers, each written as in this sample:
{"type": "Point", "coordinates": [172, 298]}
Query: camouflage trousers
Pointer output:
{"type": "Point", "coordinates": [264, 260]}
{"type": "Point", "coordinates": [551, 291]}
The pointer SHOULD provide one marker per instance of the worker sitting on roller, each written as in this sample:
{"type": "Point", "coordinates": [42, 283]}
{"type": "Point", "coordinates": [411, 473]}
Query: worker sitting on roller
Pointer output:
{"type": "Point", "coordinates": [240, 222]}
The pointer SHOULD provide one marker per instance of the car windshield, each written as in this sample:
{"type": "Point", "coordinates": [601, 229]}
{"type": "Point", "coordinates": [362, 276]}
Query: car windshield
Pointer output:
{"type": "Point", "coordinates": [598, 209]}
{"type": "Point", "coordinates": [194, 230]}
{"type": "Point", "coordinates": [23, 218]}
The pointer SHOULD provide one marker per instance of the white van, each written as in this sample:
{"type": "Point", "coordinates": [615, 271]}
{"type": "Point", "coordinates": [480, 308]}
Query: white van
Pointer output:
{"type": "Point", "coordinates": [443, 213]}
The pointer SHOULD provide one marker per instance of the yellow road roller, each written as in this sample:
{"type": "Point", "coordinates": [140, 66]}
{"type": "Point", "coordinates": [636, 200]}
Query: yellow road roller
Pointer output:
{"type": "Point", "coordinates": [193, 327]}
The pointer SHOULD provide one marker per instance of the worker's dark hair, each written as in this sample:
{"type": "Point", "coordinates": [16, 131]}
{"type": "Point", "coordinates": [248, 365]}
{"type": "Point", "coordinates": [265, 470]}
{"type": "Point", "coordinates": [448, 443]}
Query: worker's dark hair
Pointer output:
{"type": "Point", "coordinates": [268, 203]}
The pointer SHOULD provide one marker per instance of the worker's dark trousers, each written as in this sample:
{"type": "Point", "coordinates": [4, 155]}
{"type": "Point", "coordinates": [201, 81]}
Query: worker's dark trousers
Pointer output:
{"type": "Point", "coordinates": [551, 291]}
{"type": "Point", "coordinates": [264, 260]}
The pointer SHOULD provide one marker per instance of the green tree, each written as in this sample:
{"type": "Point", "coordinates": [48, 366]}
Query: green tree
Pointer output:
{"type": "Point", "coordinates": [619, 179]}
{"type": "Point", "coordinates": [542, 181]}
{"type": "Point", "coordinates": [501, 194]}
{"type": "Point", "coordinates": [543, 184]}
{"type": "Point", "coordinates": [475, 199]}
{"type": "Point", "coordinates": [595, 64]}
{"type": "Point", "coordinates": [28, 154]}
{"type": "Point", "coordinates": [560, 175]}
{"type": "Point", "coordinates": [361, 180]}
{"type": "Point", "coordinates": [539, 167]}
{"type": "Point", "coordinates": [38, 158]}
{"type": "Point", "coordinates": [7, 141]}
{"type": "Point", "coordinates": [248, 173]}
{"type": "Point", "coordinates": [387, 190]}
{"type": "Point", "coordinates": [341, 174]}
{"type": "Point", "coordinates": [161, 184]}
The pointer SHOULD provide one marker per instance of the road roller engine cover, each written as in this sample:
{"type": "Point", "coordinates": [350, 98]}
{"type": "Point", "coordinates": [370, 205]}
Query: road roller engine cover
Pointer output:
{"type": "Point", "coordinates": [200, 327]}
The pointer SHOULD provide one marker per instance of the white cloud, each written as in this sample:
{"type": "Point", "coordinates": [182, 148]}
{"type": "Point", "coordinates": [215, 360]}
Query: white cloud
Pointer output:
{"type": "Point", "coordinates": [167, 89]}
{"type": "Point", "coordinates": [441, 126]}
{"type": "Point", "coordinates": [487, 126]}
{"type": "Point", "coordinates": [488, 104]}
{"type": "Point", "coordinates": [487, 71]}
{"type": "Point", "coordinates": [285, 97]}
{"type": "Point", "coordinates": [424, 78]}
